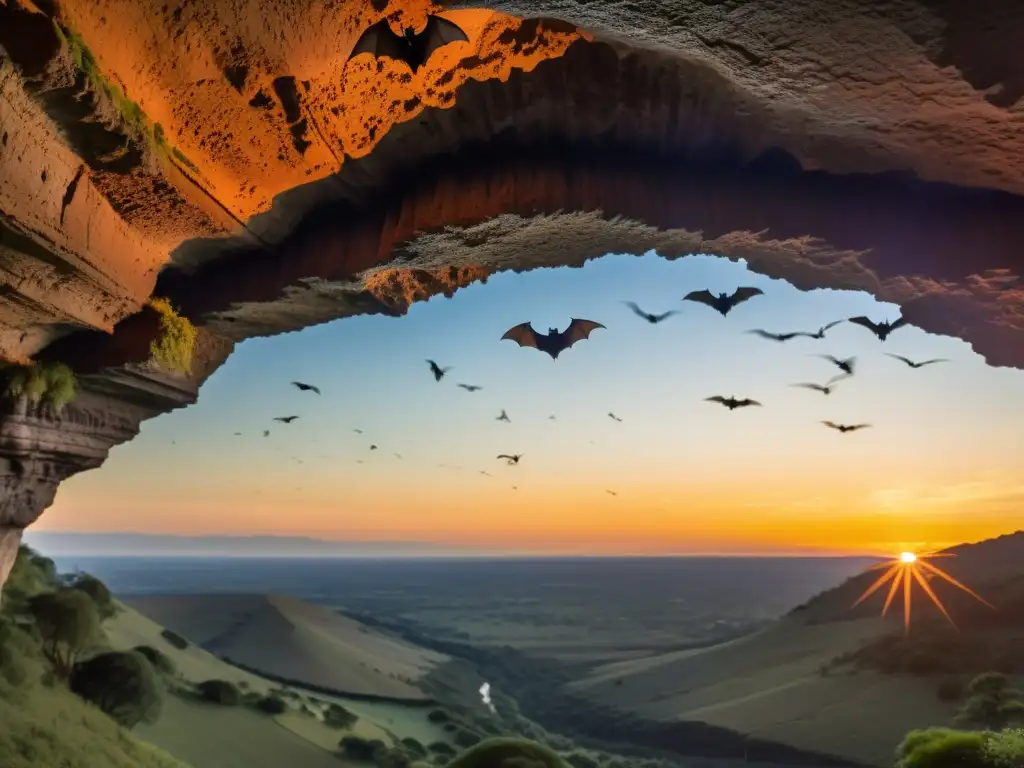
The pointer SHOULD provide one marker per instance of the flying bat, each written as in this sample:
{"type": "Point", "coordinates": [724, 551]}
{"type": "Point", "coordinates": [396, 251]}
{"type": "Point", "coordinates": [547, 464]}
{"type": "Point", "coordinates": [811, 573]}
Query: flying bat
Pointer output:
{"type": "Point", "coordinates": [306, 387]}
{"type": "Point", "coordinates": [881, 330]}
{"type": "Point", "coordinates": [503, 417]}
{"type": "Point", "coordinates": [266, 433]}
{"type": "Point", "coordinates": [551, 417]}
{"type": "Point", "coordinates": [485, 473]}
{"type": "Point", "coordinates": [238, 434]}
{"type": "Point", "coordinates": [846, 366]}
{"type": "Point", "coordinates": [437, 370]}
{"type": "Point", "coordinates": [827, 387]}
{"type": "Point", "coordinates": [398, 455]}
{"type": "Point", "coordinates": [821, 331]}
{"type": "Point", "coordinates": [652, 319]}
{"type": "Point", "coordinates": [358, 431]}
{"type": "Point", "coordinates": [285, 419]}
{"type": "Point", "coordinates": [912, 364]}
{"type": "Point", "coordinates": [844, 427]}
{"type": "Point", "coordinates": [613, 416]}
{"type": "Point", "coordinates": [731, 402]}
{"type": "Point", "coordinates": [512, 459]}
{"type": "Point", "coordinates": [470, 387]}
{"type": "Point", "coordinates": [777, 336]}
{"type": "Point", "coordinates": [412, 48]}
{"type": "Point", "coordinates": [373, 447]}
{"type": "Point", "coordinates": [612, 493]}
{"type": "Point", "coordinates": [723, 302]}
{"type": "Point", "coordinates": [555, 342]}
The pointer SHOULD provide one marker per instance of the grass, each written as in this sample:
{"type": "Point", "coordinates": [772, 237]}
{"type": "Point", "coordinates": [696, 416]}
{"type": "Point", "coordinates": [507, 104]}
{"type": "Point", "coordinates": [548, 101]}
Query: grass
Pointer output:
{"type": "Point", "coordinates": [52, 384]}
{"type": "Point", "coordinates": [135, 118]}
{"type": "Point", "coordinates": [174, 348]}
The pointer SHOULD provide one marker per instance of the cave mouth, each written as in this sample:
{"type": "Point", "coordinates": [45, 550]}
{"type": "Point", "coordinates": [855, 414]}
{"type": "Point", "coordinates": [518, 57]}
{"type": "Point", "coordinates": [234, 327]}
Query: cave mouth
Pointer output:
{"type": "Point", "coordinates": [632, 430]}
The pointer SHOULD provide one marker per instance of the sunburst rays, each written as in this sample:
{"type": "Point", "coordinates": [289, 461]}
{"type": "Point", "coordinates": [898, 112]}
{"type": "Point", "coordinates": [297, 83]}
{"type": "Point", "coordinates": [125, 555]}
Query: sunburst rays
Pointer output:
{"type": "Point", "coordinates": [906, 570]}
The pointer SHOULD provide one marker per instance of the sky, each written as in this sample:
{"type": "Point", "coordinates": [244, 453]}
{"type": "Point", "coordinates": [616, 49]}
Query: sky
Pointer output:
{"type": "Point", "coordinates": [941, 464]}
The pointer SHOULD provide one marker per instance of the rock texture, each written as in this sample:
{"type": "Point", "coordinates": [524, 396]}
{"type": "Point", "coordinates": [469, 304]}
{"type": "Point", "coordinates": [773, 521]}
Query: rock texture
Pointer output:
{"type": "Point", "coordinates": [227, 155]}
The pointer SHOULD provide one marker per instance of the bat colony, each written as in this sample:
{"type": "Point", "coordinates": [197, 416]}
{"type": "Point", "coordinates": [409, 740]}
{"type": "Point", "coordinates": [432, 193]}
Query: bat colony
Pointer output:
{"type": "Point", "coordinates": [555, 342]}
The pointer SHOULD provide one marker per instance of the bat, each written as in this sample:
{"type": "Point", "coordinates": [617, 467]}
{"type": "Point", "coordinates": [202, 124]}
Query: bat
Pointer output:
{"type": "Point", "coordinates": [881, 330]}
{"type": "Point", "coordinates": [266, 433]}
{"type": "Point", "coordinates": [612, 493]}
{"type": "Point", "coordinates": [731, 402]}
{"type": "Point", "coordinates": [306, 387]}
{"type": "Point", "coordinates": [373, 447]}
{"type": "Point", "coordinates": [652, 319]}
{"type": "Point", "coordinates": [777, 336]}
{"type": "Point", "coordinates": [613, 416]}
{"type": "Point", "coordinates": [504, 417]}
{"type": "Point", "coordinates": [827, 387]}
{"type": "Point", "coordinates": [723, 302]}
{"type": "Point", "coordinates": [846, 366]}
{"type": "Point", "coordinates": [912, 364]}
{"type": "Point", "coordinates": [415, 49]}
{"type": "Point", "coordinates": [844, 427]}
{"type": "Point", "coordinates": [398, 455]}
{"type": "Point", "coordinates": [512, 459]}
{"type": "Point", "coordinates": [515, 487]}
{"type": "Point", "coordinates": [821, 331]}
{"type": "Point", "coordinates": [485, 473]}
{"type": "Point", "coordinates": [238, 434]}
{"type": "Point", "coordinates": [551, 417]}
{"type": "Point", "coordinates": [554, 342]}
{"type": "Point", "coordinates": [437, 370]}
{"type": "Point", "coordinates": [470, 387]}
{"type": "Point", "coordinates": [285, 419]}
{"type": "Point", "coordinates": [358, 431]}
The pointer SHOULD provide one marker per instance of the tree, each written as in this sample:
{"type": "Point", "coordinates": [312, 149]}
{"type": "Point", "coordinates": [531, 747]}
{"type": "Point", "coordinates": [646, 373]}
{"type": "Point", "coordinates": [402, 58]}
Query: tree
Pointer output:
{"type": "Point", "coordinates": [68, 624]}
{"type": "Point", "coordinates": [98, 591]}
{"type": "Point", "coordinates": [336, 716]}
{"type": "Point", "coordinates": [219, 692]}
{"type": "Point", "coordinates": [991, 702]}
{"type": "Point", "coordinates": [272, 705]}
{"type": "Point", "coordinates": [122, 684]}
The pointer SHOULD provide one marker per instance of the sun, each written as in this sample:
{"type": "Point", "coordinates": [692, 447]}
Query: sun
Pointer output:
{"type": "Point", "coordinates": [904, 571]}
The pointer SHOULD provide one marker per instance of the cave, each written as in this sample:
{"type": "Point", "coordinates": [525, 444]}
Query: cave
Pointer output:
{"type": "Point", "coordinates": [262, 182]}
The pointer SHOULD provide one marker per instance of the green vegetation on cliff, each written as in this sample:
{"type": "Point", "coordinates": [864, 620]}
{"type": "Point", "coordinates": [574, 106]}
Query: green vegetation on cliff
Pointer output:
{"type": "Point", "coordinates": [52, 384]}
{"type": "Point", "coordinates": [175, 346]}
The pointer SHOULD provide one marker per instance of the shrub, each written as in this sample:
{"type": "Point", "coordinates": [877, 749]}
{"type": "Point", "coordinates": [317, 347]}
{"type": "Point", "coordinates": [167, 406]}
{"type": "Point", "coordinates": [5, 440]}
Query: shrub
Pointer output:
{"type": "Point", "coordinates": [174, 347]}
{"type": "Point", "coordinates": [438, 716]}
{"type": "Point", "coordinates": [988, 684]}
{"type": "Point", "coordinates": [174, 639]}
{"type": "Point", "coordinates": [466, 738]}
{"type": "Point", "coordinates": [97, 591]}
{"type": "Point", "coordinates": [30, 575]}
{"type": "Point", "coordinates": [508, 753]}
{"type": "Point", "coordinates": [1005, 749]}
{"type": "Point", "coordinates": [950, 689]}
{"type": "Point", "coordinates": [219, 692]}
{"type": "Point", "coordinates": [272, 705]}
{"type": "Point", "coordinates": [123, 685]}
{"type": "Point", "coordinates": [52, 384]}
{"type": "Point", "coordinates": [442, 748]}
{"type": "Point", "coordinates": [68, 624]}
{"type": "Point", "coordinates": [414, 746]}
{"type": "Point", "coordinates": [160, 661]}
{"type": "Point", "coordinates": [390, 758]}
{"type": "Point", "coordinates": [450, 727]}
{"type": "Point", "coordinates": [359, 749]}
{"type": "Point", "coordinates": [20, 664]}
{"type": "Point", "coordinates": [942, 748]}
{"type": "Point", "coordinates": [992, 703]}
{"type": "Point", "coordinates": [336, 716]}
{"type": "Point", "coordinates": [579, 760]}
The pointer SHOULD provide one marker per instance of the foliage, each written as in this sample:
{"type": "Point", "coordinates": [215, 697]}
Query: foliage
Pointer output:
{"type": "Point", "coordinates": [272, 705]}
{"type": "Point", "coordinates": [52, 384]}
{"type": "Point", "coordinates": [219, 692]}
{"type": "Point", "coordinates": [414, 746]}
{"type": "Point", "coordinates": [992, 703]}
{"type": "Point", "coordinates": [390, 758]}
{"type": "Point", "coordinates": [359, 749]}
{"type": "Point", "coordinates": [30, 575]}
{"type": "Point", "coordinates": [442, 748]}
{"type": "Point", "coordinates": [508, 753]}
{"type": "Point", "coordinates": [580, 760]}
{"type": "Point", "coordinates": [97, 591]}
{"type": "Point", "coordinates": [438, 716]}
{"type": "Point", "coordinates": [68, 624]}
{"type": "Point", "coordinates": [174, 639]}
{"type": "Point", "coordinates": [20, 662]}
{"type": "Point", "coordinates": [122, 684]}
{"type": "Point", "coordinates": [336, 716]}
{"type": "Point", "coordinates": [1006, 748]}
{"type": "Point", "coordinates": [932, 649]}
{"type": "Point", "coordinates": [174, 348]}
{"type": "Point", "coordinates": [465, 738]}
{"type": "Point", "coordinates": [160, 661]}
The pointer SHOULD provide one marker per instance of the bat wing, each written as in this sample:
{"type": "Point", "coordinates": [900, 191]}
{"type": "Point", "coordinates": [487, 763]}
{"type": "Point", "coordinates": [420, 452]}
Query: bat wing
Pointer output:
{"type": "Point", "coordinates": [747, 401]}
{"type": "Point", "coordinates": [865, 322]}
{"type": "Point", "coordinates": [815, 387]}
{"type": "Point", "coordinates": [901, 357]}
{"type": "Point", "coordinates": [380, 40]}
{"type": "Point", "coordinates": [703, 297]}
{"type": "Point", "coordinates": [936, 360]}
{"type": "Point", "coordinates": [579, 330]}
{"type": "Point", "coordinates": [898, 324]}
{"type": "Point", "coordinates": [438, 33]}
{"type": "Point", "coordinates": [523, 335]}
{"type": "Point", "coordinates": [742, 294]}
{"type": "Point", "coordinates": [833, 324]}
{"type": "Point", "coordinates": [715, 399]}
{"type": "Point", "coordinates": [830, 424]}
{"type": "Point", "coordinates": [504, 456]}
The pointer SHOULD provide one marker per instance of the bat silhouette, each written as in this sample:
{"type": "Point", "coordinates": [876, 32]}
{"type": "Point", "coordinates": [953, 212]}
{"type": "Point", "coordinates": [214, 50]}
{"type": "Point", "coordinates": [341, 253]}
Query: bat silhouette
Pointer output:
{"type": "Point", "coordinates": [412, 48]}
{"type": "Point", "coordinates": [554, 342]}
{"type": "Point", "coordinates": [437, 370]}
{"type": "Point", "coordinates": [515, 487]}
{"type": "Point", "coordinates": [358, 431]}
{"type": "Point", "coordinates": [723, 302]}
{"type": "Point", "coordinates": [881, 330]}
{"type": "Point", "coordinates": [827, 387]}
{"type": "Point", "coordinates": [844, 427]}
{"type": "Point", "coordinates": [731, 402]}
{"type": "Point", "coordinates": [512, 459]}
{"type": "Point", "coordinates": [912, 364]}
{"type": "Point", "coordinates": [485, 473]}
{"type": "Point", "coordinates": [777, 336]}
{"type": "Point", "coordinates": [846, 366]}
{"type": "Point", "coordinates": [373, 447]}
{"type": "Point", "coordinates": [652, 319]}
{"type": "Point", "coordinates": [398, 455]}
{"type": "Point", "coordinates": [821, 331]}
{"type": "Point", "coordinates": [613, 416]}
{"type": "Point", "coordinates": [470, 387]}
{"type": "Point", "coordinates": [305, 387]}
{"type": "Point", "coordinates": [503, 417]}
{"type": "Point", "coordinates": [613, 493]}
{"type": "Point", "coordinates": [285, 419]}
{"type": "Point", "coordinates": [551, 417]}
{"type": "Point", "coordinates": [238, 434]}
{"type": "Point", "coordinates": [266, 433]}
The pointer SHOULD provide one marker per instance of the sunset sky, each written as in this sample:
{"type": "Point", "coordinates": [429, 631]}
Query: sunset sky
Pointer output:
{"type": "Point", "coordinates": [943, 463]}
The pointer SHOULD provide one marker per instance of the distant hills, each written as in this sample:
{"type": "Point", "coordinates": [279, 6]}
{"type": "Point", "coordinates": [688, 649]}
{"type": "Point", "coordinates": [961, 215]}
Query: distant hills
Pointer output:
{"type": "Point", "coordinates": [82, 544]}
